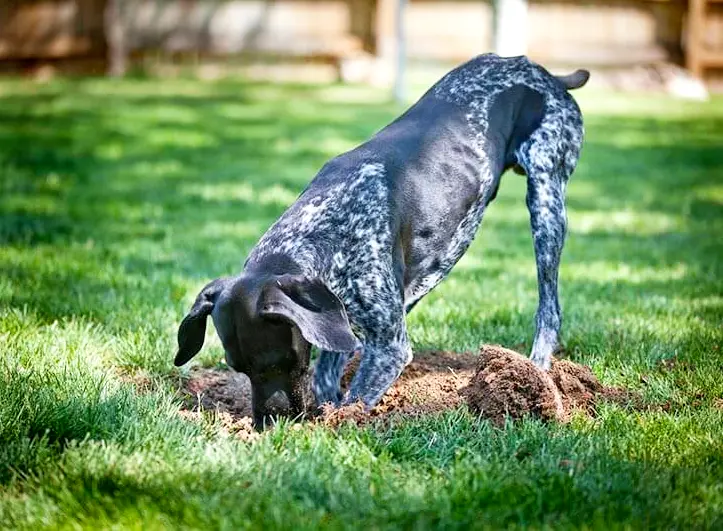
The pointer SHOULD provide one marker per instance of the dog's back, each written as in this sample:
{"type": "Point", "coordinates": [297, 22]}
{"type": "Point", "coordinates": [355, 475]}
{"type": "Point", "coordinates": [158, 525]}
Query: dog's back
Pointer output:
{"type": "Point", "coordinates": [416, 191]}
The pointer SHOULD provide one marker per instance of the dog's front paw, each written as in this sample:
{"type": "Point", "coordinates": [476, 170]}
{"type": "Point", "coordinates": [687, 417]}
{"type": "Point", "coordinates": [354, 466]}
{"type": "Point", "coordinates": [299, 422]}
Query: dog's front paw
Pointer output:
{"type": "Point", "coordinates": [324, 395]}
{"type": "Point", "coordinates": [542, 361]}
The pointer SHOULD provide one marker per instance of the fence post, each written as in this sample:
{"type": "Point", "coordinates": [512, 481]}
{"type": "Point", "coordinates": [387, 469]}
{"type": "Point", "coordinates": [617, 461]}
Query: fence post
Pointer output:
{"type": "Point", "coordinates": [115, 38]}
{"type": "Point", "coordinates": [391, 44]}
{"type": "Point", "coordinates": [510, 27]}
{"type": "Point", "coordinates": [401, 66]}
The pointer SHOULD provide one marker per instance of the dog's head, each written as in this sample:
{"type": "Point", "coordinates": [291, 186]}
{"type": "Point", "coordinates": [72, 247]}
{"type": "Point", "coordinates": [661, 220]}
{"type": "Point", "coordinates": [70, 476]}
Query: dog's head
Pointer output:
{"type": "Point", "coordinates": [267, 325]}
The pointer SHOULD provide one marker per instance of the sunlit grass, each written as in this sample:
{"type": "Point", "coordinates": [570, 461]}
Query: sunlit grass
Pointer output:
{"type": "Point", "coordinates": [119, 200]}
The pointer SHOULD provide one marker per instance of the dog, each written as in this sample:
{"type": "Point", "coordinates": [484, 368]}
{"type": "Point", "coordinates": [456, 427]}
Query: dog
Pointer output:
{"type": "Point", "coordinates": [381, 225]}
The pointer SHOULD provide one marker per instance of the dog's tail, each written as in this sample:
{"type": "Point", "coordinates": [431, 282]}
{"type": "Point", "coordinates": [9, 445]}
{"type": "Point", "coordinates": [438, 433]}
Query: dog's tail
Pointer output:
{"type": "Point", "coordinates": [575, 80]}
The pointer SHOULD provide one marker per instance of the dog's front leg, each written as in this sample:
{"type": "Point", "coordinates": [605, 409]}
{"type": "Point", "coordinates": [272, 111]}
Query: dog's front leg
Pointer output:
{"type": "Point", "coordinates": [383, 360]}
{"type": "Point", "coordinates": [327, 376]}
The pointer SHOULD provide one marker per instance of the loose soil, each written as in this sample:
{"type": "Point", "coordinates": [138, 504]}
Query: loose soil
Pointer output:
{"type": "Point", "coordinates": [496, 384]}
{"type": "Point", "coordinates": [225, 392]}
{"type": "Point", "coordinates": [508, 384]}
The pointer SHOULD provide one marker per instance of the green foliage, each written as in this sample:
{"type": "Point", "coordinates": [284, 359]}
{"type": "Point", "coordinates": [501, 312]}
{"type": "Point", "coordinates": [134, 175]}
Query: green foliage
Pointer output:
{"type": "Point", "coordinates": [120, 199]}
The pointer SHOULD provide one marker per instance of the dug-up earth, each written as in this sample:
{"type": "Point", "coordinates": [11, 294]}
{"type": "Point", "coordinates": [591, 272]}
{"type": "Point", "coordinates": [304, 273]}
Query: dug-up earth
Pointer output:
{"type": "Point", "coordinates": [496, 384]}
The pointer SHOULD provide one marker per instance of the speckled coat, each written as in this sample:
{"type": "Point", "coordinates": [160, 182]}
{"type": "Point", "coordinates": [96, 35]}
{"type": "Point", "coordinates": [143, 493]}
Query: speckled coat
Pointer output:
{"type": "Point", "coordinates": [384, 223]}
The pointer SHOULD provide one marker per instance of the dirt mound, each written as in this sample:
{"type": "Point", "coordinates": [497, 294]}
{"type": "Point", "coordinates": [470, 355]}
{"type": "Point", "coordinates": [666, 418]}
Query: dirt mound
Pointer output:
{"type": "Point", "coordinates": [575, 383]}
{"type": "Point", "coordinates": [336, 416]}
{"type": "Point", "coordinates": [508, 384]}
{"type": "Point", "coordinates": [497, 383]}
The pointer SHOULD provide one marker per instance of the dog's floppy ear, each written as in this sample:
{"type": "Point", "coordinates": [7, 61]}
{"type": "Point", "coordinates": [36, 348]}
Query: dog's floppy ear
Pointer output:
{"type": "Point", "coordinates": [316, 311]}
{"type": "Point", "coordinates": [192, 330]}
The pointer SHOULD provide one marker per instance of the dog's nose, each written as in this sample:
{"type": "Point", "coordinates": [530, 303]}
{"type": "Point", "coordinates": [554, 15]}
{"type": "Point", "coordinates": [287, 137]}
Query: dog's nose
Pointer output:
{"type": "Point", "coordinates": [277, 404]}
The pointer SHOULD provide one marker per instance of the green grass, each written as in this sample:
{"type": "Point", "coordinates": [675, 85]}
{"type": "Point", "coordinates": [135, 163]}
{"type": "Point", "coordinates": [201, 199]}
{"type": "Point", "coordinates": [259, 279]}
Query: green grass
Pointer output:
{"type": "Point", "coordinates": [119, 200]}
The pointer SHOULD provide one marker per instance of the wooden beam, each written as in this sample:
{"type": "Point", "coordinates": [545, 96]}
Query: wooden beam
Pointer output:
{"type": "Point", "coordinates": [694, 44]}
{"type": "Point", "coordinates": [385, 29]}
{"type": "Point", "coordinates": [711, 59]}
{"type": "Point", "coordinates": [115, 34]}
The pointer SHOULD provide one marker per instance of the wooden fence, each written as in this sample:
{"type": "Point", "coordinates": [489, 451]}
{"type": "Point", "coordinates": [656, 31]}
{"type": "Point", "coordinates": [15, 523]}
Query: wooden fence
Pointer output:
{"type": "Point", "coordinates": [609, 32]}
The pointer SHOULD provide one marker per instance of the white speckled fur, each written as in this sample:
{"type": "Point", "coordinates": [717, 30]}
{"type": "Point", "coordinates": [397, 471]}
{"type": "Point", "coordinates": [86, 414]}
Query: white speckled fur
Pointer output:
{"type": "Point", "coordinates": [354, 255]}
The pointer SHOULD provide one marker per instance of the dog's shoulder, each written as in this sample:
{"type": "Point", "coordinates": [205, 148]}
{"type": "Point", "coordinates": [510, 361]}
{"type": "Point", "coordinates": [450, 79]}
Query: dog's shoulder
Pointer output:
{"type": "Point", "coordinates": [346, 201]}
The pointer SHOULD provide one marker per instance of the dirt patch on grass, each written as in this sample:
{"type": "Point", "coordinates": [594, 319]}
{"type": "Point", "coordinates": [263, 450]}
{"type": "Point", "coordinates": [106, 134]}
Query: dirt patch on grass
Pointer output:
{"type": "Point", "coordinates": [238, 426]}
{"type": "Point", "coordinates": [496, 384]}
{"type": "Point", "coordinates": [675, 363]}
{"type": "Point", "coordinates": [431, 383]}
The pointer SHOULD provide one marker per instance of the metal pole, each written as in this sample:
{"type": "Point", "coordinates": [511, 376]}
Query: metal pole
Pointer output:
{"type": "Point", "coordinates": [401, 62]}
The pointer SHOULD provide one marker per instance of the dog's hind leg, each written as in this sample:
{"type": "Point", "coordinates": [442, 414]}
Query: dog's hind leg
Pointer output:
{"type": "Point", "coordinates": [327, 376]}
{"type": "Point", "coordinates": [549, 157]}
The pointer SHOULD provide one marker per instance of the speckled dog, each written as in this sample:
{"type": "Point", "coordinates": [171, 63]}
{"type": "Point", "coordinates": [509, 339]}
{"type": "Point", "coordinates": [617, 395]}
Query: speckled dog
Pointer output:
{"type": "Point", "coordinates": [380, 226]}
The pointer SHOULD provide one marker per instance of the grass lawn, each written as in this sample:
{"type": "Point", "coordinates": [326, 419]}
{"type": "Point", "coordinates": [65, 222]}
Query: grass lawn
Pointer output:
{"type": "Point", "coordinates": [119, 200]}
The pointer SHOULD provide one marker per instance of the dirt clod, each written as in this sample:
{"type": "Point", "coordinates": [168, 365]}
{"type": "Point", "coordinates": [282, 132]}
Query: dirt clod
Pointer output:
{"type": "Point", "coordinates": [335, 416]}
{"type": "Point", "coordinates": [576, 384]}
{"type": "Point", "coordinates": [240, 427]}
{"type": "Point", "coordinates": [508, 384]}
